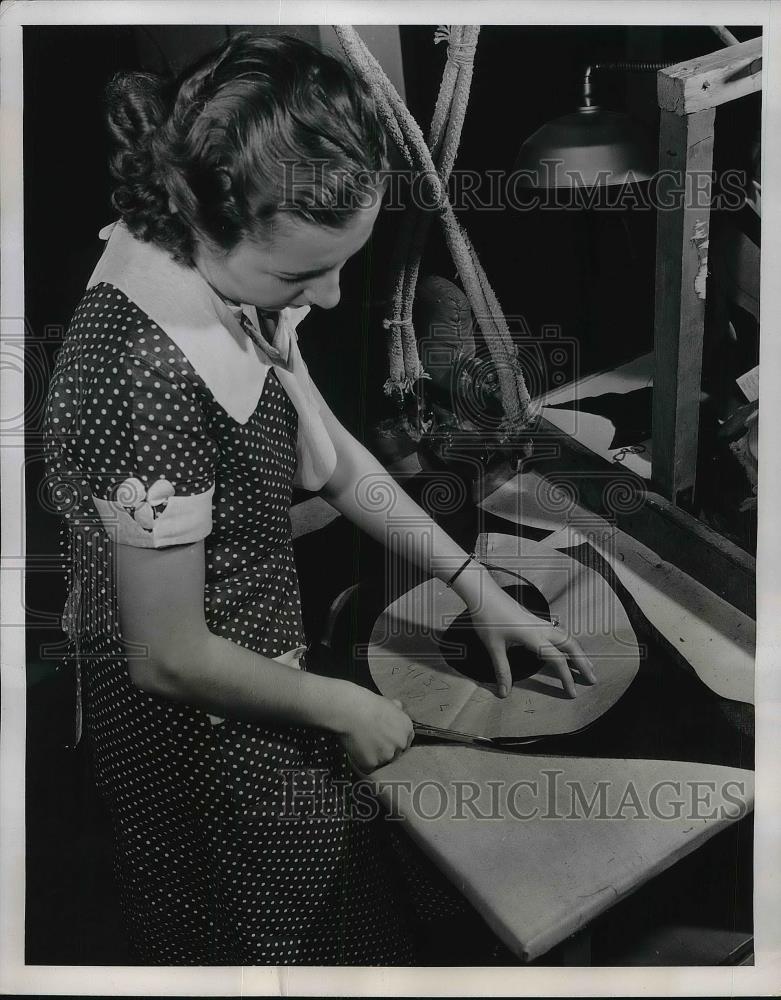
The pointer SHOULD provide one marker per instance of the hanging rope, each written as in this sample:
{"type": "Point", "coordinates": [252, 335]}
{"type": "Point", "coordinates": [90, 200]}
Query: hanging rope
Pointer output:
{"type": "Point", "coordinates": [444, 138]}
{"type": "Point", "coordinates": [405, 265]}
{"type": "Point", "coordinates": [443, 142]}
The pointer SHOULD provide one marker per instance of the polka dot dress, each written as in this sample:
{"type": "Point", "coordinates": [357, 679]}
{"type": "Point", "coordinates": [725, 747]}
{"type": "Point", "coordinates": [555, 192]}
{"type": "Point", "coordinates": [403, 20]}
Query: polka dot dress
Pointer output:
{"type": "Point", "coordinates": [211, 867]}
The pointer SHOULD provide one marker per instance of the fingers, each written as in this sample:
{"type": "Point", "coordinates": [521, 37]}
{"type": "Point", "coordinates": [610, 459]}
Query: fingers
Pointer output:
{"type": "Point", "coordinates": [504, 677]}
{"type": "Point", "coordinates": [365, 760]}
{"type": "Point", "coordinates": [572, 649]}
{"type": "Point", "coordinates": [410, 734]}
{"type": "Point", "coordinates": [581, 661]}
{"type": "Point", "coordinates": [401, 747]}
{"type": "Point", "coordinates": [557, 653]}
{"type": "Point", "coordinates": [361, 768]}
{"type": "Point", "coordinates": [561, 665]}
{"type": "Point", "coordinates": [380, 736]}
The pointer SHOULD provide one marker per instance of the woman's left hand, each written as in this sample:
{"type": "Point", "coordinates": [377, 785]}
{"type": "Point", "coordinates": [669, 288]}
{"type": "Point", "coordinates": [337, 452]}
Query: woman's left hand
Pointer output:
{"type": "Point", "coordinates": [500, 622]}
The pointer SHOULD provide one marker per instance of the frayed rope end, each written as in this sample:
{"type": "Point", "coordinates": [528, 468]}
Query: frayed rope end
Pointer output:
{"type": "Point", "coordinates": [401, 387]}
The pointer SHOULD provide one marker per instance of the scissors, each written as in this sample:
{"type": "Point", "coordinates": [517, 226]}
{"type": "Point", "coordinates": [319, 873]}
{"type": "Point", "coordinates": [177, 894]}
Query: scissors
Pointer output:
{"type": "Point", "coordinates": [451, 736]}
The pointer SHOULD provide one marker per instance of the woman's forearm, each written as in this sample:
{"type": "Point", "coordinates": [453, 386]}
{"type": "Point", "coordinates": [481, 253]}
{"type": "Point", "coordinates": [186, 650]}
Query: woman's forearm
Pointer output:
{"type": "Point", "coordinates": [172, 652]}
{"type": "Point", "coordinates": [400, 523]}
{"type": "Point", "coordinates": [225, 679]}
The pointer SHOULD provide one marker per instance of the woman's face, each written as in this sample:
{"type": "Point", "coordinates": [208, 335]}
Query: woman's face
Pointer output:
{"type": "Point", "coordinates": [299, 267]}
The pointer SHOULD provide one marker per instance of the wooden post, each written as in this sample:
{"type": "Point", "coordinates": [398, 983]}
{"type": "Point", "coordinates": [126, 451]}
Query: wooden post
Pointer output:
{"type": "Point", "coordinates": [688, 95]}
{"type": "Point", "coordinates": [685, 164]}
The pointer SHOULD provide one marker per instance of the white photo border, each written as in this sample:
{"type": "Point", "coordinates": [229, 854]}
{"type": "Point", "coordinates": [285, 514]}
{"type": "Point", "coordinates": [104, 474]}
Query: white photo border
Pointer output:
{"type": "Point", "coordinates": [764, 977]}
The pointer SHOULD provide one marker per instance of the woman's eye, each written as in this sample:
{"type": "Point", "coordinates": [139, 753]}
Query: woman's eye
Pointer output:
{"type": "Point", "coordinates": [290, 281]}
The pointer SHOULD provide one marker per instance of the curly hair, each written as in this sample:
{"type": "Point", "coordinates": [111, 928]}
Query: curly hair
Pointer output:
{"type": "Point", "coordinates": [262, 125]}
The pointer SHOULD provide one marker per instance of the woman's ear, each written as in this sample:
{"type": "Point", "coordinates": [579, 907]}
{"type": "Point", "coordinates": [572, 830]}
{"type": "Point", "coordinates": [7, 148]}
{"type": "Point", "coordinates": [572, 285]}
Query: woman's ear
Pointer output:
{"type": "Point", "coordinates": [171, 207]}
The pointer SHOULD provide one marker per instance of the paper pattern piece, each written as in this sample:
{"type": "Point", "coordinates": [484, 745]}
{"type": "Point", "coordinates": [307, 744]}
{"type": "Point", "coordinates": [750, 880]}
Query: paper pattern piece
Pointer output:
{"type": "Point", "coordinates": [311, 515]}
{"type": "Point", "coordinates": [749, 384]}
{"type": "Point", "coordinates": [406, 661]}
{"type": "Point", "coordinates": [531, 499]}
{"type": "Point", "coordinates": [715, 638]}
{"type": "Point", "coordinates": [538, 878]}
{"type": "Point", "coordinates": [592, 429]}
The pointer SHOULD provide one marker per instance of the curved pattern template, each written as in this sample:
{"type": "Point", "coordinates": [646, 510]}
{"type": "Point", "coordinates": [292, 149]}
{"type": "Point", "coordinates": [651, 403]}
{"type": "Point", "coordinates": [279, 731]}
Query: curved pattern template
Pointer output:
{"type": "Point", "coordinates": [407, 662]}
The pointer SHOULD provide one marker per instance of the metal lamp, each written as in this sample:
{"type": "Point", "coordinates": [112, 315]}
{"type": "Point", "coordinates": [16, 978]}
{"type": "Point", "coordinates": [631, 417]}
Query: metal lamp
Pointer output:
{"type": "Point", "coordinates": [588, 147]}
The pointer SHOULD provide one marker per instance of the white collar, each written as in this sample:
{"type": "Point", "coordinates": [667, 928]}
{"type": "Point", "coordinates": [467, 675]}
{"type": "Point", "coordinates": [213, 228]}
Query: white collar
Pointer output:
{"type": "Point", "coordinates": [211, 337]}
{"type": "Point", "coordinates": [201, 324]}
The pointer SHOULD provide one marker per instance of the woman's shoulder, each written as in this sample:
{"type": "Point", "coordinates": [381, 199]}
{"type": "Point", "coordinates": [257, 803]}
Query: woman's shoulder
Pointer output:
{"type": "Point", "coordinates": [108, 327]}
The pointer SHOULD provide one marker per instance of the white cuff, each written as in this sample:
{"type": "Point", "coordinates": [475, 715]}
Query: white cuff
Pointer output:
{"type": "Point", "coordinates": [184, 519]}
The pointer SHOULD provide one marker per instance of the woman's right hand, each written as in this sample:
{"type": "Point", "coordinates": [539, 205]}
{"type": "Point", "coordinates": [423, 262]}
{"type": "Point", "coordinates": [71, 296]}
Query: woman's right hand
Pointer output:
{"type": "Point", "coordinates": [376, 730]}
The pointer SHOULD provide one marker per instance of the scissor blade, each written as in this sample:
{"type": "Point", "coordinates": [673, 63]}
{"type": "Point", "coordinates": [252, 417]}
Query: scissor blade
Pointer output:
{"type": "Point", "coordinates": [450, 735]}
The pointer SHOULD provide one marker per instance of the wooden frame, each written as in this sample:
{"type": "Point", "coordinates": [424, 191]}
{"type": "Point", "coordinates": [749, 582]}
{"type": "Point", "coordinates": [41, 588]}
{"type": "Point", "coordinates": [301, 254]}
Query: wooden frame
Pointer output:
{"type": "Point", "coordinates": [688, 95]}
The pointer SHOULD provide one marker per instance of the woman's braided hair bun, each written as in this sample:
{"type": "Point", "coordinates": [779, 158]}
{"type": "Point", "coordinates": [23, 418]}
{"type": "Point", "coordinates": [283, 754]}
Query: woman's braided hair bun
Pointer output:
{"type": "Point", "coordinates": [261, 126]}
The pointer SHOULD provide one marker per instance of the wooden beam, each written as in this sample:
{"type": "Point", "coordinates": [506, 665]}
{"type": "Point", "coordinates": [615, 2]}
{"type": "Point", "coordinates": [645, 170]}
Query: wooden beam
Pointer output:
{"type": "Point", "coordinates": [681, 539]}
{"type": "Point", "coordinates": [706, 82]}
{"type": "Point", "coordinates": [676, 536]}
{"type": "Point", "coordinates": [683, 221]}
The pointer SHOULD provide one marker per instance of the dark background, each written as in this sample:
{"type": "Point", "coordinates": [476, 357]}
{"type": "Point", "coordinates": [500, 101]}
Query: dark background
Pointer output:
{"type": "Point", "coordinates": [523, 77]}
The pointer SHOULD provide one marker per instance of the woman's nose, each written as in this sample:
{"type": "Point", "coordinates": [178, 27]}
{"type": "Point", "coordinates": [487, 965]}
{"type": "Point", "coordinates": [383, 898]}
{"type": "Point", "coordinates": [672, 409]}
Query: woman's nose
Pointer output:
{"type": "Point", "coordinates": [324, 291]}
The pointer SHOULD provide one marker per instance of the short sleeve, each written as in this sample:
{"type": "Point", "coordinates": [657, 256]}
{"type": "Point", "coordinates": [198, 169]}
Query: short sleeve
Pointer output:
{"type": "Point", "coordinates": [144, 450]}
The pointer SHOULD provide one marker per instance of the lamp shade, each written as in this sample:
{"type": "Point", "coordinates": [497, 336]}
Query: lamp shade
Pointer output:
{"type": "Point", "coordinates": [590, 146]}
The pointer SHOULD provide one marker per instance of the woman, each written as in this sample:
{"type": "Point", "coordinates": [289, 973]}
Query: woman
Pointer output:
{"type": "Point", "coordinates": [179, 415]}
